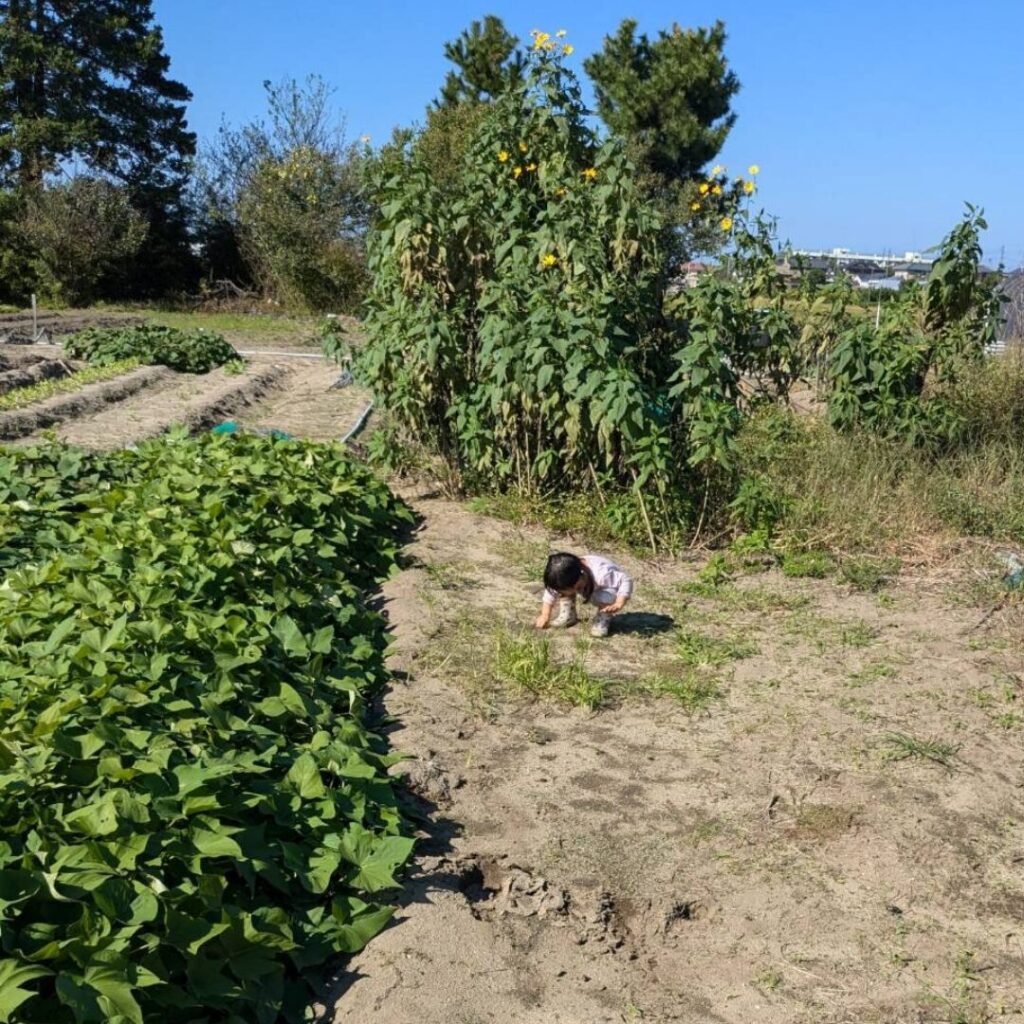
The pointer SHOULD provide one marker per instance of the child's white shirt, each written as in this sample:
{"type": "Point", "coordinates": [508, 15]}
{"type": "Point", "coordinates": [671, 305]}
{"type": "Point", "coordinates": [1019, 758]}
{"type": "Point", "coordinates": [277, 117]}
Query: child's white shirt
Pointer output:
{"type": "Point", "coordinates": [607, 576]}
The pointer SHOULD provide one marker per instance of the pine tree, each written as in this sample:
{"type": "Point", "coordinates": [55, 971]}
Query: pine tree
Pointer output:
{"type": "Point", "coordinates": [670, 97]}
{"type": "Point", "coordinates": [488, 60]}
{"type": "Point", "coordinates": [88, 81]}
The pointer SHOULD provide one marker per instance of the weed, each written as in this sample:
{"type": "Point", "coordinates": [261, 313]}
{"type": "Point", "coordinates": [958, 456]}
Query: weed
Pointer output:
{"type": "Point", "coordinates": [705, 831]}
{"type": "Point", "coordinates": [813, 564]}
{"type": "Point", "coordinates": [865, 572]}
{"type": "Point", "coordinates": [693, 690]}
{"type": "Point", "coordinates": [821, 822]}
{"type": "Point", "coordinates": [716, 574]}
{"type": "Point", "coordinates": [902, 746]}
{"type": "Point", "coordinates": [523, 664]}
{"type": "Point", "coordinates": [857, 634]}
{"type": "Point", "coordinates": [769, 980]}
{"type": "Point", "coordinates": [764, 600]}
{"type": "Point", "coordinates": [447, 576]}
{"type": "Point", "coordinates": [872, 673]}
{"type": "Point", "coordinates": [696, 649]}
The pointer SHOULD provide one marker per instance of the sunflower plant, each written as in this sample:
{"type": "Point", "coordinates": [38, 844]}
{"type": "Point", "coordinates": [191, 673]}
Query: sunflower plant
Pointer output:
{"type": "Point", "coordinates": [519, 324]}
{"type": "Point", "coordinates": [513, 312]}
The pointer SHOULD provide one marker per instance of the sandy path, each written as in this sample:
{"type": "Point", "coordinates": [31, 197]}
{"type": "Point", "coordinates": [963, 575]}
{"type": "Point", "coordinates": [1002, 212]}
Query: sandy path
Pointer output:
{"type": "Point", "coordinates": [761, 861]}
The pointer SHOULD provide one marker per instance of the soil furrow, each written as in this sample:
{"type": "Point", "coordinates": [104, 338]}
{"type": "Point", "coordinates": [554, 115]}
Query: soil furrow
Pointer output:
{"type": "Point", "coordinates": [311, 406]}
{"type": "Point", "coordinates": [195, 402]}
{"type": "Point", "coordinates": [19, 423]}
{"type": "Point", "coordinates": [34, 373]}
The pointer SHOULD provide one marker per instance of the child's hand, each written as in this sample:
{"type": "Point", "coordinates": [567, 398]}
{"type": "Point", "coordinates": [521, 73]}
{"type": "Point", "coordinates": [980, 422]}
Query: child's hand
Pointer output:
{"type": "Point", "coordinates": [542, 622]}
{"type": "Point", "coordinates": [616, 606]}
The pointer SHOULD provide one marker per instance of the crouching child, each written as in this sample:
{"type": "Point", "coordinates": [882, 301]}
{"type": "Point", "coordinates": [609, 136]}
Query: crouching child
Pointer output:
{"type": "Point", "coordinates": [593, 578]}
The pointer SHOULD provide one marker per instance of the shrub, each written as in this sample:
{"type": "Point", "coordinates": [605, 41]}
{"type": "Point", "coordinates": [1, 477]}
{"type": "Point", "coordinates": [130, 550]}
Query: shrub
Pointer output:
{"type": "Point", "coordinates": [195, 818]}
{"type": "Point", "coordinates": [81, 231]}
{"type": "Point", "coordinates": [195, 351]}
{"type": "Point", "coordinates": [299, 233]}
{"type": "Point", "coordinates": [18, 276]}
{"type": "Point", "coordinates": [894, 380]}
{"type": "Point", "coordinates": [286, 197]}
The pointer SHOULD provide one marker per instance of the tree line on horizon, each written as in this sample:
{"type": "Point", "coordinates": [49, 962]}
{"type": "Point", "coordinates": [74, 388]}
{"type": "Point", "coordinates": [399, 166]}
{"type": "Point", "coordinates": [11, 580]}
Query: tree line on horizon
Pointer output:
{"type": "Point", "coordinates": [106, 194]}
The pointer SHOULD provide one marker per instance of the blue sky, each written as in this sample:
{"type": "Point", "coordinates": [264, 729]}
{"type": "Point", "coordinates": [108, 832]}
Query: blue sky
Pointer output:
{"type": "Point", "coordinates": [871, 122]}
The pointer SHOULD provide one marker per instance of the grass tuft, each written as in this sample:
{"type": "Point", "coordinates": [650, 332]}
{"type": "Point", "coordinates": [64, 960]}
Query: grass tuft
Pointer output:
{"type": "Point", "coordinates": [869, 573]}
{"type": "Point", "coordinates": [697, 650]}
{"type": "Point", "coordinates": [523, 664]}
{"type": "Point", "coordinates": [811, 564]}
{"type": "Point", "coordinates": [694, 691]}
{"type": "Point", "coordinates": [901, 746]}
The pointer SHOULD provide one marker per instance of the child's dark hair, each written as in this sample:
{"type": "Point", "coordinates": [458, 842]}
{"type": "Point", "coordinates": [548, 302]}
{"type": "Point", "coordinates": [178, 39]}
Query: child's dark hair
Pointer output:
{"type": "Point", "coordinates": [563, 572]}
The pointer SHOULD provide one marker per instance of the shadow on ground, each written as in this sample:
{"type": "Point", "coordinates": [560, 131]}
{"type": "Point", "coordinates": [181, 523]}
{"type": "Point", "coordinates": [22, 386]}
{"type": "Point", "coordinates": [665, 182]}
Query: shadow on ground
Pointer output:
{"type": "Point", "coordinates": [643, 623]}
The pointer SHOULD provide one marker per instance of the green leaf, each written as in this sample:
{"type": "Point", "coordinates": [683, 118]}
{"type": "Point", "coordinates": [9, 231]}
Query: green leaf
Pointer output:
{"type": "Point", "coordinates": [13, 978]}
{"type": "Point", "coordinates": [214, 844]}
{"type": "Point", "coordinates": [304, 776]}
{"type": "Point", "coordinates": [116, 993]}
{"type": "Point", "coordinates": [377, 871]}
{"type": "Point", "coordinates": [290, 636]}
{"type": "Point", "coordinates": [191, 933]}
{"type": "Point", "coordinates": [98, 819]}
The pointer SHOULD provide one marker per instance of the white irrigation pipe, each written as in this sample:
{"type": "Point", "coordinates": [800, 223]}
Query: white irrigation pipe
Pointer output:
{"type": "Point", "coordinates": [359, 424]}
{"type": "Point", "coordinates": [265, 352]}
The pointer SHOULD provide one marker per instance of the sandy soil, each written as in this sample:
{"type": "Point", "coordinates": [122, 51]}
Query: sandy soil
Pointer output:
{"type": "Point", "coordinates": [193, 400]}
{"type": "Point", "coordinates": [94, 401]}
{"type": "Point", "coordinates": [772, 857]}
{"type": "Point", "coordinates": [311, 405]}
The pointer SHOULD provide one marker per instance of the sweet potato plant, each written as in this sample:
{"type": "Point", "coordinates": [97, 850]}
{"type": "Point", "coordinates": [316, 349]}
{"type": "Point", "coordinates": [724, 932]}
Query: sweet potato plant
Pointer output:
{"type": "Point", "coordinates": [194, 819]}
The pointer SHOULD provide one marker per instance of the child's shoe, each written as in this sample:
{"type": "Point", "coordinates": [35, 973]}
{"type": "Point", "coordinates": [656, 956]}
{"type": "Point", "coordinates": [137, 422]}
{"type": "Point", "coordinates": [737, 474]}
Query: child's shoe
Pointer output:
{"type": "Point", "coordinates": [565, 613]}
{"type": "Point", "coordinates": [601, 626]}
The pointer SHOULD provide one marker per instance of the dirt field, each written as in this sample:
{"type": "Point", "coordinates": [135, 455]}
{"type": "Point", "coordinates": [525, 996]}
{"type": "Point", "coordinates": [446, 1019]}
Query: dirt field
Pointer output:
{"type": "Point", "coordinates": [777, 800]}
{"type": "Point", "coordinates": [762, 847]}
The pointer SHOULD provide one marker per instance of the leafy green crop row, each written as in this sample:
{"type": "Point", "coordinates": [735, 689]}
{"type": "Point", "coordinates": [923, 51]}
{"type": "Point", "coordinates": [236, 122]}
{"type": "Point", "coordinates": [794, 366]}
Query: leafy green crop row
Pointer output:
{"type": "Point", "coordinates": [195, 351]}
{"type": "Point", "coordinates": [18, 398]}
{"type": "Point", "coordinates": [194, 817]}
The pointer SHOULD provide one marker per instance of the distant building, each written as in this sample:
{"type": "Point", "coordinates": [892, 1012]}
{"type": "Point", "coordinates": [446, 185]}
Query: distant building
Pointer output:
{"type": "Point", "coordinates": [889, 284]}
{"type": "Point", "coordinates": [912, 270]}
{"type": "Point", "coordinates": [690, 272]}
{"type": "Point", "coordinates": [1012, 327]}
